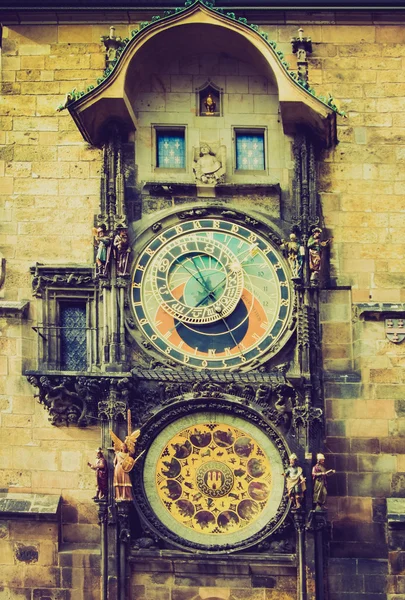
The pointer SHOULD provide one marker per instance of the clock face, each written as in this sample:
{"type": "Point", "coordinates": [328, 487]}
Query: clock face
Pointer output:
{"type": "Point", "coordinates": [211, 294]}
{"type": "Point", "coordinates": [214, 479]}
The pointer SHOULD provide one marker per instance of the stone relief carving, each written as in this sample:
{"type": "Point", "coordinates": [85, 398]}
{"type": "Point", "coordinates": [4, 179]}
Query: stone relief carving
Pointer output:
{"type": "Point", "coordinates": [209, 164]}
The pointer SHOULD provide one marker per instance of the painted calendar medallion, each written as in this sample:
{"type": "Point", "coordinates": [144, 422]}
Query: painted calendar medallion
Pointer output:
{"type": "Point", "coordinates": [213, 478]}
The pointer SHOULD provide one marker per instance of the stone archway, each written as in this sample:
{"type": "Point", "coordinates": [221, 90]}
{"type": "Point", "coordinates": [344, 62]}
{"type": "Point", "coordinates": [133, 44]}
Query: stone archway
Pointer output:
{"type": "Point", "coordinates": [113, 97]}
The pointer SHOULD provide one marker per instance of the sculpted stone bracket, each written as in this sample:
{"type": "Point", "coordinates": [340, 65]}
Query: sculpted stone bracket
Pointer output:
{"type": "Point", "coordinates": [69, 277]}
{"type": "Point", "coordinates": [275, 401]}
{"type": "Point", "coordinates": [79, 399]}
{"type": "Point", "coordinates": [14, 309]}
{"type": "Point", "coordinates": [83, 400]}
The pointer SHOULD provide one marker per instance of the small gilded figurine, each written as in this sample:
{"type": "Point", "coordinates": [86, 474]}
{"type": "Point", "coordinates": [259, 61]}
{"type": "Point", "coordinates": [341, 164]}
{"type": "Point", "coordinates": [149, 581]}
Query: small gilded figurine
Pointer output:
{"type": "Point", "coordinates": [295, 482]}
{"type": "Point", "coordinates": [295, 255]}
{"type": "Point", "coordinates": [315, 246]}
{"type": "Point", "coordinates": [124, 462]}
{"type": "Point", "coordinates": [121, 251]}
{"type": "Point", "coordinates": [102, 242]}
{"type": "Point", "coordinates": [319, 476]}
{"type": "Point", "coordinates": [210, 104]}
{"type": "Point", "coordinates": [101, 469]}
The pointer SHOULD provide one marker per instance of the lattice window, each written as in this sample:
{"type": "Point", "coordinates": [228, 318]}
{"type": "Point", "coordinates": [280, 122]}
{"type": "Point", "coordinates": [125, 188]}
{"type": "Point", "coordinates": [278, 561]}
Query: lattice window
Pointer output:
{"type": "Point", "coordinates": [73, 348]}
{"type": "Point", "coordinates": [250, 151]}
{"type": "Point", "coordinates": [171, 149]}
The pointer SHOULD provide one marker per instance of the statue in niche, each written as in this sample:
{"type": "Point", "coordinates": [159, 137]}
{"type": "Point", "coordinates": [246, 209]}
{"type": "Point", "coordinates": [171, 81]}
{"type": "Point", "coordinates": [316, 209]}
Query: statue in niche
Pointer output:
{"type": "Point", "coordinates": [295, 482]}
{"type": "Point", "coordinates": [295, 252]}
{"type": "Point", "coordinates": [209, 100]}
{"type": "Point", "coordinates": [209, 166]}
{"type": "Point", "coordinates": [102, 242]}
{"type": "Point", "coordinates": [316, 246]}
{"type": "Point", "coordinates": [210, 104]}
{"type": "Point", "coordinates": [101, 469]}
{"type": "Point", "coordinates": [121, 251]}
{"type": "Point", "coordinates": [320, 476]}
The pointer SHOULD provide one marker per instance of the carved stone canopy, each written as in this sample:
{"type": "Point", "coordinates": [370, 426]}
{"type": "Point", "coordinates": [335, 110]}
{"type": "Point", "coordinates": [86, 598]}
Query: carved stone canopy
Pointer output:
{"type": "Point", "coordinates": [180, 33]}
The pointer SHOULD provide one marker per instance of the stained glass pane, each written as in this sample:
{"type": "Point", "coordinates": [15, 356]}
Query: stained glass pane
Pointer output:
{"type": "Point", "coordinates": [250, 151]}
{"type": "Point", "coordinates": [73, 351]}
{"type": "Point", "coordinates": [171, 150]}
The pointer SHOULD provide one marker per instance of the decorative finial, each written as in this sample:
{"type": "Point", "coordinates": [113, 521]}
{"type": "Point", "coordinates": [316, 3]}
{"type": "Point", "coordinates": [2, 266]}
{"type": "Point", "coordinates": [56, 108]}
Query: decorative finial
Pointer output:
{"type": "Point", "coordinates": [301, 46]}
{"type": "Point", "coordinates": [112, 45]}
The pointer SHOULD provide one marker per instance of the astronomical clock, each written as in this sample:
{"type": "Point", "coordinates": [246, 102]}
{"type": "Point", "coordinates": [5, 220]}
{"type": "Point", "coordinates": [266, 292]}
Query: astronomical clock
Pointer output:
{"type": "Point", "coordinates": [210, 293]}
{"type": "Point", "coordinates": [211, 300]}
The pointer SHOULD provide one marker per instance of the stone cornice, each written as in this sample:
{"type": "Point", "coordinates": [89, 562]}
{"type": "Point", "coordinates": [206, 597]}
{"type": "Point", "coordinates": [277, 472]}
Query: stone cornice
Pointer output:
{"type": "Point", "coordinates": [14, 309]}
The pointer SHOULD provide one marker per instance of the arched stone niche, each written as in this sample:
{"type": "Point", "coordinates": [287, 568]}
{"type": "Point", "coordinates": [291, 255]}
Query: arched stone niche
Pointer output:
{"type": "Point", "coordinates": [197, 31]}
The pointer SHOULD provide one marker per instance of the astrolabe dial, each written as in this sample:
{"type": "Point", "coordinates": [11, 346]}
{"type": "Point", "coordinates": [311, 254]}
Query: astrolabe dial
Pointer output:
{"type": "Point", "coordinates": [197, 280]}
{"type": "Point", "coordinates": [214, 480]}
{"type": "Point", "coordinates": [212, 294]}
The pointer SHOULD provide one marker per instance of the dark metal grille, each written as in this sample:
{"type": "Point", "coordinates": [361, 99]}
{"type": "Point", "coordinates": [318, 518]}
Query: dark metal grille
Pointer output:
{"type": "Point", "coordinates": [73, 350]}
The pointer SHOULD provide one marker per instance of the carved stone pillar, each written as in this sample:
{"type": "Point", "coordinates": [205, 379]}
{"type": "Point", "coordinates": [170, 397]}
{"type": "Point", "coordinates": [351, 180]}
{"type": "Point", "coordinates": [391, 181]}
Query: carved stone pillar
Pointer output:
{"type": "Point", "coordinates": [299, 523]}
{"type": "Point", "coordinates": [124, 537]}
{"type": "Point", "coordinates": [114, 273]}
{"type": "Point", "coordinates": [102, 506]}
{"type": "Point", "coordinates": [315, 555]}
{"type": "Point", "coordinates": [111, 411]}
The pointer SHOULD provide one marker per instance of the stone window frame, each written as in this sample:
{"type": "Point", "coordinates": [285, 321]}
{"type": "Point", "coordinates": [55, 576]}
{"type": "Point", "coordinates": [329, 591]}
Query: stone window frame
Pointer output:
{"type": "Point", "coordinates": [54, 286]}
{"type": "Point", "coordinates": [167, 127]}
{"type": "Point", "coordinates": [248, 129]}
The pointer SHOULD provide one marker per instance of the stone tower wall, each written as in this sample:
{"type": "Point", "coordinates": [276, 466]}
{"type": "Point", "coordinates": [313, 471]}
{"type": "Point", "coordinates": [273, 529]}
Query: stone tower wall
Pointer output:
{"type": "Point", "coordinates": [49, 193]}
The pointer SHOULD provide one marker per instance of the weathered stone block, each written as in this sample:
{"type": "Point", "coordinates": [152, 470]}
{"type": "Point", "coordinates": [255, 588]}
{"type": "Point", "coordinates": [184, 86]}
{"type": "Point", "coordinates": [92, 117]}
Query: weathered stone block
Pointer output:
{"type": "Point", "coordinates": [337, 485]}
{"type": "Point", "coordinates": [17, 106]}
{"type": "Point", "coordinates": [44, 577]}
{"type": "Point", "coordinates": [398, 485]}
{"type": "Point", "coordinates": [156, 593]}
{"type": "Point", "coordinates": [177, 593]}
{"type": "Point", "coordinates": [178, 102]}
{"type": "Point", "coordinates": [12, 593]}
{"type": "Point", "coordinates": [366, 427]}
{"type": "Point", "coordinates": [381, 463]}
{"type": "Point", "coordinates": [240, 103]}
{"type": "Point", "coordinates": [369, 484]}
{"type": "Point", "coordinates": [372, 567]}
{"type": "Point", "coordinates": [350, 582]}
{"type": "Point", "coordinates": [81, 533]}
{"type": "Point", "coordinates": [396, 562]}
{"type": "Point", "coordinates": [337, 444]}
{"type": "Point", "coordinates": [47, 594]}
{"type": "Point", "coordinates": [365, 445]}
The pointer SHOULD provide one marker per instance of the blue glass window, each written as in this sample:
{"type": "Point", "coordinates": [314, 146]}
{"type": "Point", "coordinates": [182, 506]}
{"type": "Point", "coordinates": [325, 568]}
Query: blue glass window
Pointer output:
{"type": "Point", "coordinates": [73, 350]}
{"type": "Point", "coordinates": [250, 151]}
{"type": "Point", "coordinates": [171, 149]}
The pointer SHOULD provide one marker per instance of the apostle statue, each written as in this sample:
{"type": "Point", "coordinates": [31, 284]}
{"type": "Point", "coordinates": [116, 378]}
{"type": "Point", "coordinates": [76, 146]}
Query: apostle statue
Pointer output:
{"type": "Point", "coordinates": [295, 482]}
{"type": "Point", "coordinates": [101, 469]}
{"type": "Point", "coordinates": [320, 476]}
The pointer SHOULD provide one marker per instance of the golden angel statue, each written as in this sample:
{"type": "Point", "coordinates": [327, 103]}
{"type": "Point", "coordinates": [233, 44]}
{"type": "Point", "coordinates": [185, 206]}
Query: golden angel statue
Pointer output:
{"type": "Point", "coordinates": [124, 462]}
